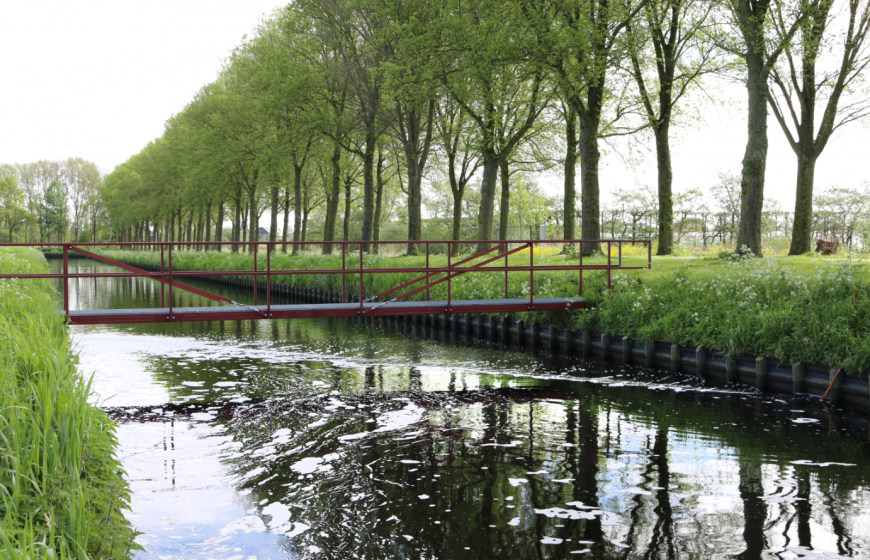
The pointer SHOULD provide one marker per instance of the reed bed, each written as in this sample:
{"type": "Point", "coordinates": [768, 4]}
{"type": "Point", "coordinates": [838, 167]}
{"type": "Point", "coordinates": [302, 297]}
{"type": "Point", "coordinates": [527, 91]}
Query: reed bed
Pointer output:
{"type": "Point", "coordinates": [61, 485]}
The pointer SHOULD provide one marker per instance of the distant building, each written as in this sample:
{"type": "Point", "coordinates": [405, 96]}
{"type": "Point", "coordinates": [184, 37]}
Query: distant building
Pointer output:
{"type": "Point", "coordinates": [264, 234]}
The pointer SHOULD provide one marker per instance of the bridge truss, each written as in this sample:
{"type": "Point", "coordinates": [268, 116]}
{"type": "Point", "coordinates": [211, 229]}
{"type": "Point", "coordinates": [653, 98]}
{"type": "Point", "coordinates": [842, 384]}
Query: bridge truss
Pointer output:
{"type": "Point", "coordinates": [492, 258]}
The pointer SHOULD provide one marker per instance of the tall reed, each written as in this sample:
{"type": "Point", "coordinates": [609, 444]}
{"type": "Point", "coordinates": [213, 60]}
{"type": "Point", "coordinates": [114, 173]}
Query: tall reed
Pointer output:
{"type": "Point", "coordinates": [62, 490]}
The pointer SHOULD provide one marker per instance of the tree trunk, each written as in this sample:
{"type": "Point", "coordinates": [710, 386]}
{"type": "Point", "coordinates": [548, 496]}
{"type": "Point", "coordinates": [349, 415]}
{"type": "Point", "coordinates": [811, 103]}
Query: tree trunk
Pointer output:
{"type": "Point", "coordinates": [346, 229]}
{"type": "Point", "coordinates": [415, 204]}
{"type": "Point", "coordinates": [755, 156]}
{"type": "Point", "coordinates": [286, 218]}
{"type": "Point", "coordinates": [802, 234]}
{"type": "Point", "coordinates": [303, 235]}
{"type": "Point", "coordinates": [273, 223]}
{"type": "Point", "coordinates": [379, 202]}
{"type": "Point", "coordinates": [590, 227]}
{"type": "Point", "coordinates": [457, 220]}
{"type": "Point", "coordinates": [332, 201]}
{"type": "Point", "coordinates": [219, 227]}
{"type": "Point", "coordinates": [505, 204]}
{"type": "Point", "coordinates": [487, 197]}
{"type": "Point", "coordinates": [666, 196]}
{"type": "Point", "coordinates": [189, 232]}
{"type": "Point", "coordinates": [297, 208]}
{"type": "Point", "coordinates": [207, 226]}
{"type": "Point", "coordinates": [237, 223]}
{"type": "Point", "coordinates": [570, 199]}
{"type": "Point", "coordinates": [253, 218]}
{"type": "Point", "coordinates": [368, 186]}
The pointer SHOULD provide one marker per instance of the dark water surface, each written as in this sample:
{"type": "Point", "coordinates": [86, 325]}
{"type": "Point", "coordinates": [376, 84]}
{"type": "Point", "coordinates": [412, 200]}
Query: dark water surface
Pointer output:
{"type": "Point", "coordinates": [334, 439]}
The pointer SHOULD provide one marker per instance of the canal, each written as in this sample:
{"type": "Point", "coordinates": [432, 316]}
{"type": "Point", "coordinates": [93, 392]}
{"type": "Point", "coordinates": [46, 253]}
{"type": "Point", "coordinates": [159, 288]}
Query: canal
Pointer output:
{"type": "Point", "coordinates": [336, 439]}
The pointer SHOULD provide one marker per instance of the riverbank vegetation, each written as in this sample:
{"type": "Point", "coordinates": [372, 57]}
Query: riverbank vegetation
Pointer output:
{"type": "Point", "coordinates": [807, 309]}
{"type": "Point", "coordinates": [61, 486]}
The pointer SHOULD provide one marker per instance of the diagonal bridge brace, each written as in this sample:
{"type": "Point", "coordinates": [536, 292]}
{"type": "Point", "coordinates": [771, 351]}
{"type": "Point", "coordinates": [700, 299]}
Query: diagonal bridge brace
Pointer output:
{"type": "Point", "coordinates": [459, 272]}
{"type": "Point", "coordinates": [173, 283]}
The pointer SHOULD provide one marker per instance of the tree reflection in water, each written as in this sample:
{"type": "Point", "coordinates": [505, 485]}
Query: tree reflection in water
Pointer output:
{"type": "Point", "coordinates": [371, 443]}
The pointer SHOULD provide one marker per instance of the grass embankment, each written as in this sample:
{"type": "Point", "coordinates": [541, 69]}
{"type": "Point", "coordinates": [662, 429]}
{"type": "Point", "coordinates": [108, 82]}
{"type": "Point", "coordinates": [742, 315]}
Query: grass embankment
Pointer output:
{"type": "Point", "coordinates": [61, 485]}
{"type": "Point", "coordinates": [806, 308]}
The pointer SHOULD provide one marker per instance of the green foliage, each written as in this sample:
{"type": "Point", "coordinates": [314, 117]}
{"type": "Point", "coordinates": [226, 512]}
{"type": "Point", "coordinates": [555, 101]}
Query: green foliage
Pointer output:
{"type": "Point", "coordinates": [61, 486]}
{"type": "Point", "coordinates": [54, 213]}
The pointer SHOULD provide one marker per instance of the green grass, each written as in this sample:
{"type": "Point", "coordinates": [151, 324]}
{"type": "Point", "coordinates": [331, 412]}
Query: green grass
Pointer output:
{"type": "Point", "coordinates": [805, 308]}
{"type": "Point", "coordinates": [61, 485]}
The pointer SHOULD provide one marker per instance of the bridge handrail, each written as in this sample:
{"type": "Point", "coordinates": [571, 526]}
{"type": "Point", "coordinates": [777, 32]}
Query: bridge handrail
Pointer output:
{"type": "Point", "coordinates": [166, 273]}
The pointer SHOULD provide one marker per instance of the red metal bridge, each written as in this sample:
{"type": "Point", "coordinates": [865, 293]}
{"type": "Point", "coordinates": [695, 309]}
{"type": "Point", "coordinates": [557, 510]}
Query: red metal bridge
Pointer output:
{"type": "Point", "coordinates": [492, 259]}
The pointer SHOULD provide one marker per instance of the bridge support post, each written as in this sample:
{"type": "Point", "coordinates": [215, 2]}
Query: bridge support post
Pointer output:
{"type": "Point", "coordinates": [675, 357]}
{"type": "Point", "coordinates": [493, 329]}
{"type": "Point", "coordinates": [521, 334]}
{"type": "Point", "coordinates": [798, 378]}
{"type": "Point", "coordinates": [536, 335]}
{"type": "Point", "coordinates": [587, 343]}
{"type": "Point", "coordinates": [605, 345]}
{"type": "Point", "coordinates": [554, 339]}
{"type": "Point", "coordinates": [626, 350]}
{"type": "Point", "coordinates": [569, 342]}
{"type": "Point", "coordinates": [649, 349]}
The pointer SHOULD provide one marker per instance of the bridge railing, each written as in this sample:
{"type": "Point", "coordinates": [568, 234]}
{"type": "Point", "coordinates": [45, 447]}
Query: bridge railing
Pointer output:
{"type": "Point", "coordinates": [494, 254]}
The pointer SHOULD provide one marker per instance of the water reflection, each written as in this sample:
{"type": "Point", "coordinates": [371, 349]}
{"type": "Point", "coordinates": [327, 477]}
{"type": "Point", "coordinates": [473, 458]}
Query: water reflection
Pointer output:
{"type": "Point", "coordinates": [332, 439]}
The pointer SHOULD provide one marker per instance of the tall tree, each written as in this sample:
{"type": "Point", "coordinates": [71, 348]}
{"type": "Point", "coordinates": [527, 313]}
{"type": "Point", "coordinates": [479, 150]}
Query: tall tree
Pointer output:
{"type": "Point", "coordinates": [809, 76]}
{"type": "Point", "coordinates": [583, 41]}
{"type": "Point", "coordinates": [757, 44]}
{"type": "Point", "coordinates": [455, 134]}
{"type": "Point", "coordinates": [485, 68]}
{"type": "Point", "coordinates": [674, 29]}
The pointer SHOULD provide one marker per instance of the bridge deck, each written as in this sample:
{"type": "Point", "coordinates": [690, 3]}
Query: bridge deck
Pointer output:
{"type": "Point", "coordinates": [314, 310]}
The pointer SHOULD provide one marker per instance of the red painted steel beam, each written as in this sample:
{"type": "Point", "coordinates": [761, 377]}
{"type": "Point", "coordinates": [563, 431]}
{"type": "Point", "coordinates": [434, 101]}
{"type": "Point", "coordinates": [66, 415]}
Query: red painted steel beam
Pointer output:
{"type": "Point", "coordinates": [139, 271]}
{"type": "Point", "coordinates": [385, 311]}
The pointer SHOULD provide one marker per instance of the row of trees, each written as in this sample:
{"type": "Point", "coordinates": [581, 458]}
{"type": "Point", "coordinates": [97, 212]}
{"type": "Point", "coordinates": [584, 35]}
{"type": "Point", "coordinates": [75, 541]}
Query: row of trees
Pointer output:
{"type": "Point", "coordinates": [51, 201]}
{"type": "Point", "coordinates": [357, 101]}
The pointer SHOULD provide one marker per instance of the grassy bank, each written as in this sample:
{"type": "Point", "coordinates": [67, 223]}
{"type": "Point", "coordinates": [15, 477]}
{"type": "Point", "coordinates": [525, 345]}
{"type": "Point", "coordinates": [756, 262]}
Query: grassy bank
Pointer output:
{"type": "Point", "coordinates": [61, 485]}
{"type": "Point", "coordinates": [804, 308]}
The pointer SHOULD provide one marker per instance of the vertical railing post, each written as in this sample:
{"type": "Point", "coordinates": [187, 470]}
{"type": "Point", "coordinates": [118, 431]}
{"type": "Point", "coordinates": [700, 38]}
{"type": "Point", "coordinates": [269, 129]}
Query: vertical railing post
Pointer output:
{"type": "Point", "coordinates": [66, 280]}
{"type": "Point", "coordinates": [343, 273]}
{"type": "Point", "coordinates": [620, 254]}
{"type": "Point", "coordinates": [449, 298]}
{"type": "Point", "coordinates": [532, 274]}
{"type": "Point", "coordinates": [256, 278]}
{"type": "Point", "coordinates": [170, 281]}
{"type": "Point", "coordinates": [269, 279]}
{"type": "Point", "coordinates": [361, 279]}
{"type": "Point", "coordinates": [608, 266]}
{"type": "Point", "coordinates": [507, 248]}
{"type": "Point", "coordinates": [580, 282]}
{"type": "Point", "coordinates": [427, 270]}
{"type": "Point", "coordinates": [162, 284]}
{"type": "Point", "coordinates": [649, 253]}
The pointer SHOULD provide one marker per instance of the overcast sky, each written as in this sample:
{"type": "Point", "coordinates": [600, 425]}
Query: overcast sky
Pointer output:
{"type": "Point", "coordinates": [97, 80]}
